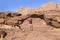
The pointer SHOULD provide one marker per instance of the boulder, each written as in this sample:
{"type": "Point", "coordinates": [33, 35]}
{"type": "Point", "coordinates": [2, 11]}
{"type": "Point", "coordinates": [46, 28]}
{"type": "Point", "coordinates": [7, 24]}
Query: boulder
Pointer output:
{"type": "Point", "coordinates": [11, 22]}
{"type": "Point", "coordinates": [55, 24]}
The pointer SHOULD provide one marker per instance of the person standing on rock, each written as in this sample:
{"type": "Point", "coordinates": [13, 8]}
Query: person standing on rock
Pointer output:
{"type": "Point", "coordinates": [30, 24]}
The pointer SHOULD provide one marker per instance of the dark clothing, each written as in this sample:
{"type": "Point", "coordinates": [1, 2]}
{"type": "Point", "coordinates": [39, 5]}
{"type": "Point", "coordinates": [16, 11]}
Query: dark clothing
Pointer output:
{"type": "Point", "coordinates": [30, 21]}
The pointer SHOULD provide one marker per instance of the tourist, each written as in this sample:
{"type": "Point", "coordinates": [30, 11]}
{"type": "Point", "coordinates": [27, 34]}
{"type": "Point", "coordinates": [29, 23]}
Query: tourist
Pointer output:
{"type": "Point", "coordinates": [30, 24]}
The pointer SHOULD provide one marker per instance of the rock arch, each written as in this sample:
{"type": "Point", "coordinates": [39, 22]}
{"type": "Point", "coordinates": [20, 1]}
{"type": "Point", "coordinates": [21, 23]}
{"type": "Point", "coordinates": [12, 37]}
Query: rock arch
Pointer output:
{"type": "Point", "coordinates": [34, 16]}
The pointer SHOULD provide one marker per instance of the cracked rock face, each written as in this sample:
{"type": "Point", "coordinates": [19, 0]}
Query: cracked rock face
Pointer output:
{"type": "Point", "coordinates": [52, 19]}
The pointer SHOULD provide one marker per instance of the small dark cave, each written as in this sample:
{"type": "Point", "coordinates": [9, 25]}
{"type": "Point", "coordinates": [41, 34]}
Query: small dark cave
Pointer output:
{"type": "Point", "coordinates": [5, 34]}
{"type": "Point", "coordinates": [18, 14]}
{"type": "Point", "coordinates": [49, 23]}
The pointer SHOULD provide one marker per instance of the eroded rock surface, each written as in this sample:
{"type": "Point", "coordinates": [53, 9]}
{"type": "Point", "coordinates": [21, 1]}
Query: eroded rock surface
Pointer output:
{"type": "Point", "coordinates": [44, 20]}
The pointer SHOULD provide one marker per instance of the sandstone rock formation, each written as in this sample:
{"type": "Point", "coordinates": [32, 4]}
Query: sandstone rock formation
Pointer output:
{"type": "Point", "coordinates": [43, 19]}
{"type": "Point", "coordinates": [49, 12]}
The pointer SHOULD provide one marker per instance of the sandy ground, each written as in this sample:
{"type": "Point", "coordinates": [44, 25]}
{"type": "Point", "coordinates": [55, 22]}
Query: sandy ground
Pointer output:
{"type": "Point", "coordinates": [33, 35]}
